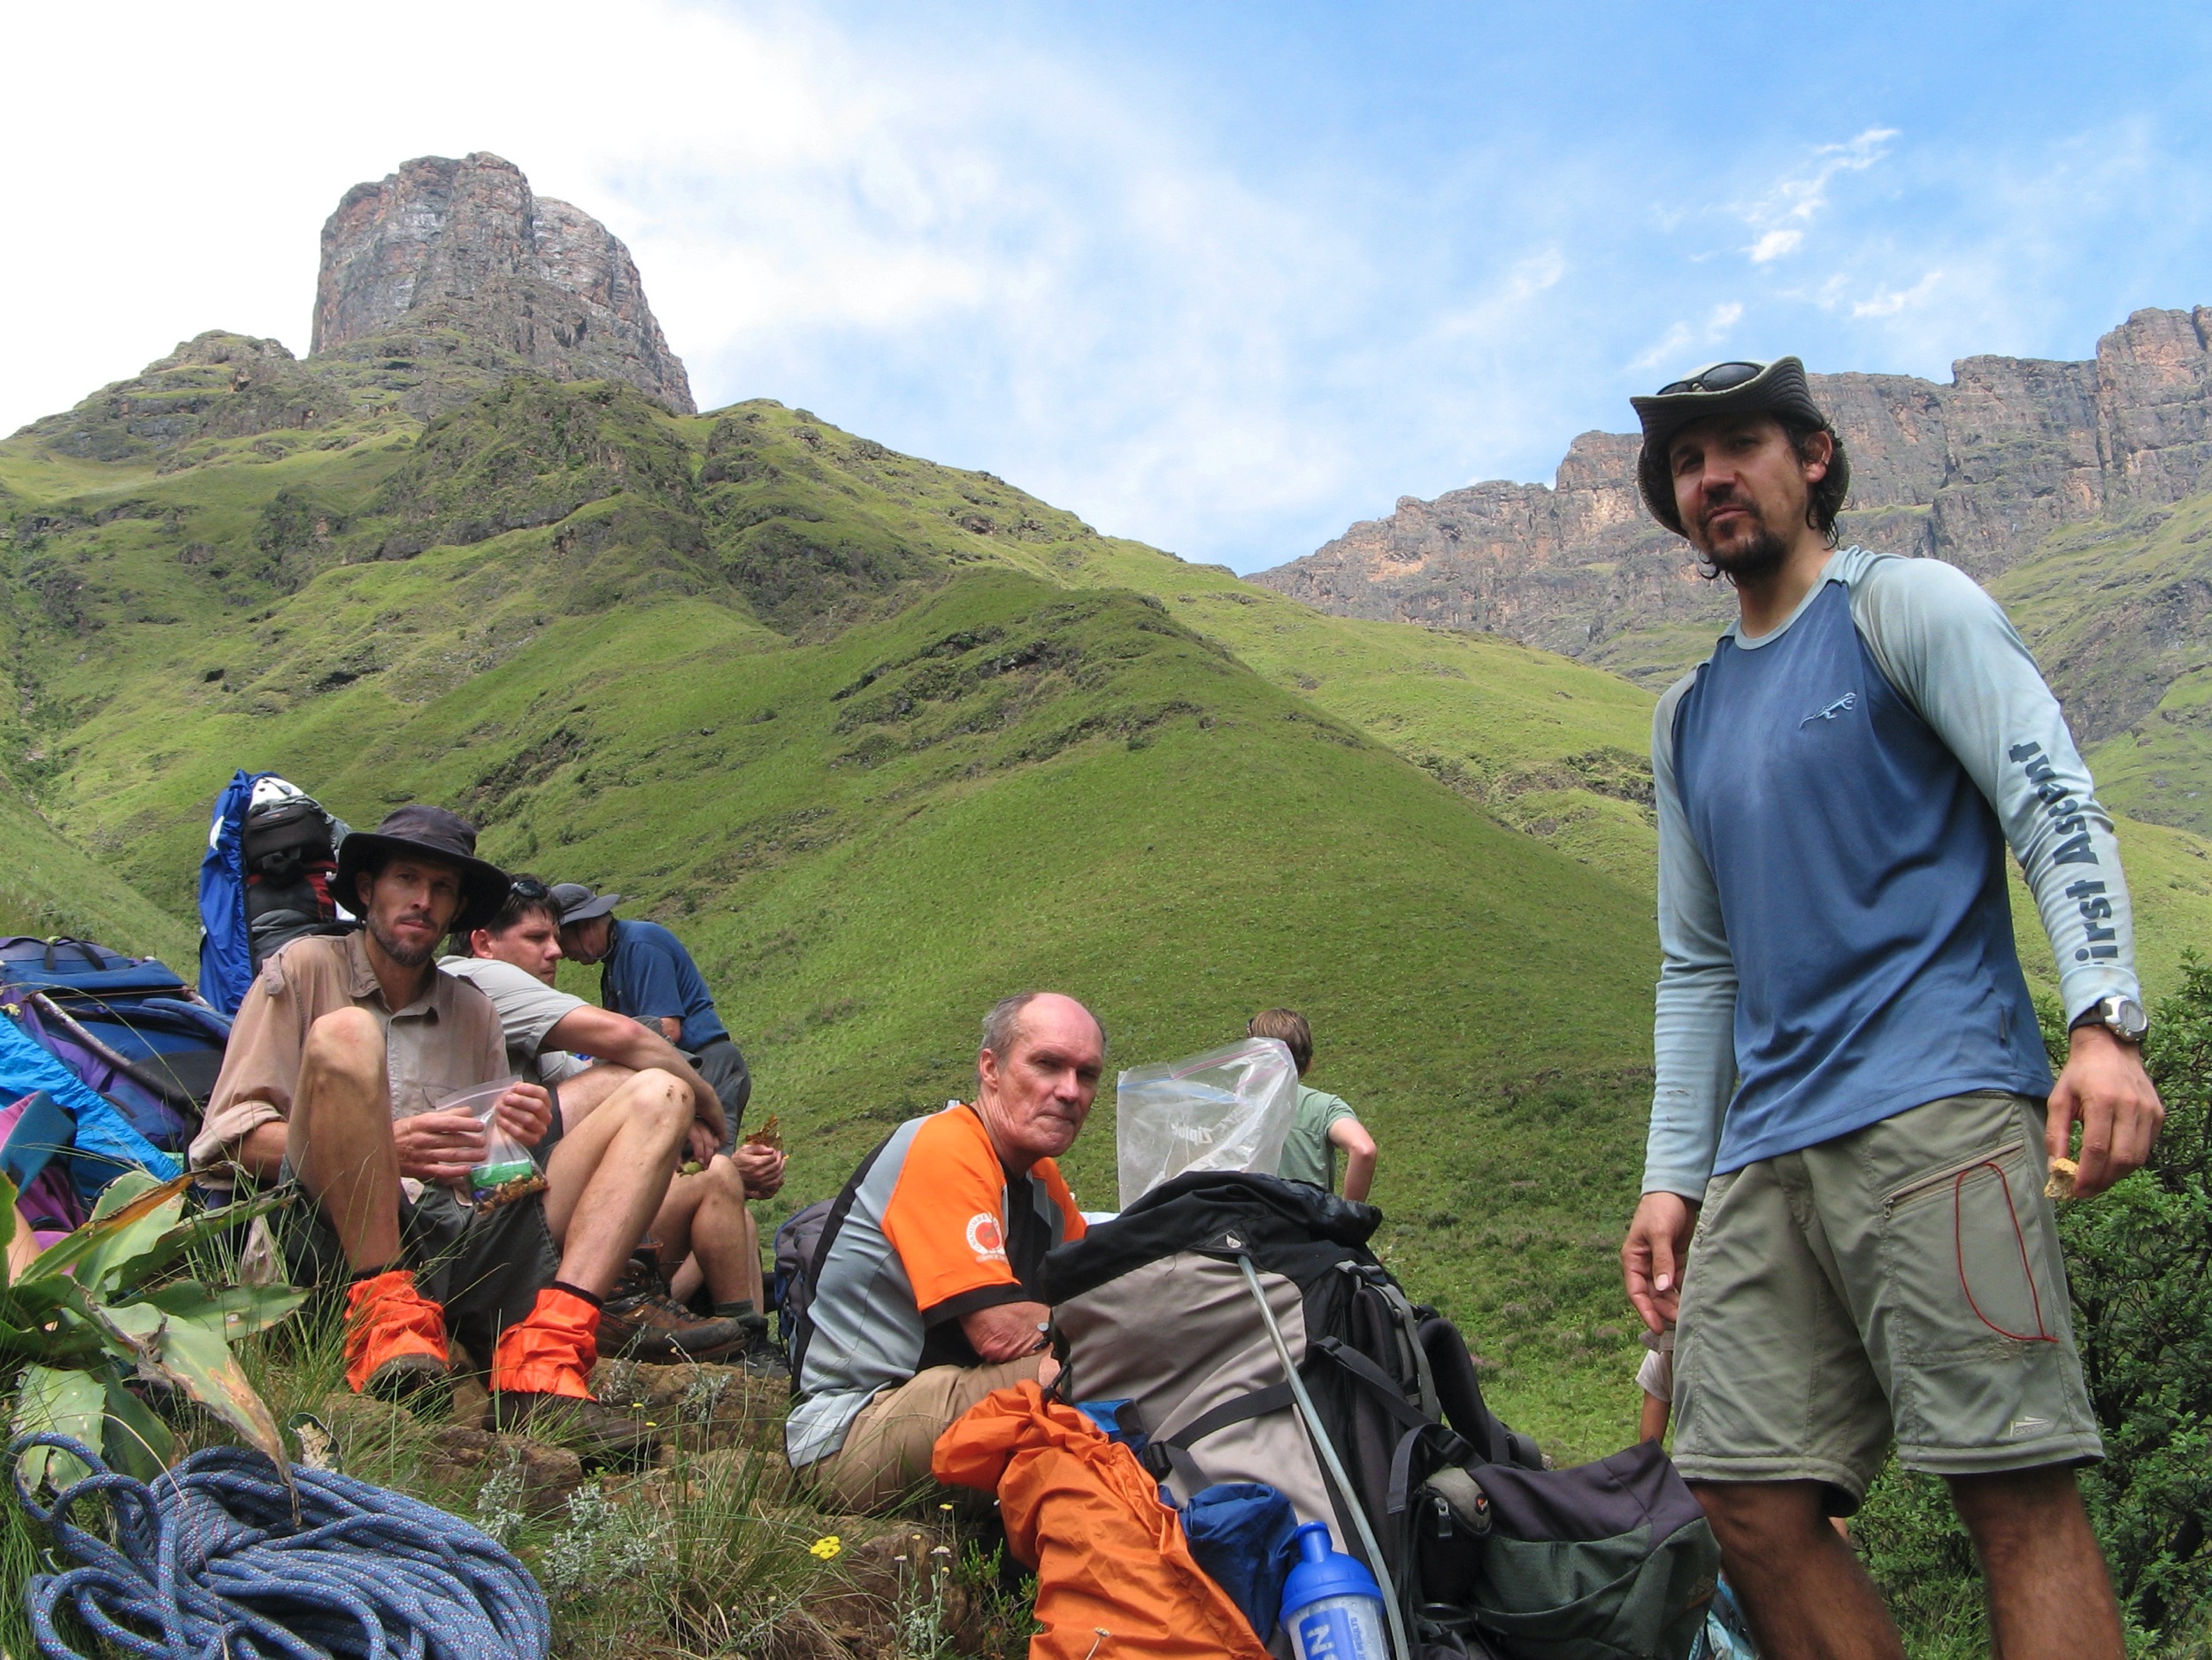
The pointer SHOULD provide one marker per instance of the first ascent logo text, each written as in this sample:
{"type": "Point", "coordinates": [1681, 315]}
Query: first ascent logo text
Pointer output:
{"type": "Point", "coordinates": [2067, 819]}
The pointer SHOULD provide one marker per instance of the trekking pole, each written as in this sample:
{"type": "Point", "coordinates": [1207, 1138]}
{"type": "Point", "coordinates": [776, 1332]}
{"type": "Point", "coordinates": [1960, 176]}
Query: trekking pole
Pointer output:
{"type": "Point", "coordinates": [1326, 1450]}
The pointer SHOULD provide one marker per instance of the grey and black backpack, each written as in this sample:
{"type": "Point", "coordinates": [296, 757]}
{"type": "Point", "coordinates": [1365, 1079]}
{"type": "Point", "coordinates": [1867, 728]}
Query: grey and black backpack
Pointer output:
{"type": "Point", "coordinates": [1257, 1338]}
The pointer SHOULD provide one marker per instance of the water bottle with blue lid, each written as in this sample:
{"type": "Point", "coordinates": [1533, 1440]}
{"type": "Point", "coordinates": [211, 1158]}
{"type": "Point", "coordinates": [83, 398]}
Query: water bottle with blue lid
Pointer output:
{"type": "Point", "coordinates": [1332, 1606]}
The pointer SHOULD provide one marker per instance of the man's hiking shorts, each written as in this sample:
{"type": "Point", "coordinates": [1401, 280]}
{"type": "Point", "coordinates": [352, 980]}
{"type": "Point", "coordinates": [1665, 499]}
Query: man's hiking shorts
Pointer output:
{"type": "Point", "coordinates": [1902, 1280]}
{"type": "Point", "coordinates": [484, 1269]}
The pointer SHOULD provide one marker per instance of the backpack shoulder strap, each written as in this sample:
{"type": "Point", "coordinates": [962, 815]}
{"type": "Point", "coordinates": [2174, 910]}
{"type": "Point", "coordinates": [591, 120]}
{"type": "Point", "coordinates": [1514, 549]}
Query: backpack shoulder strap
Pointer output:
{"type": "Point", "coordinates": [1243, 1408]}
{"type": "Point", "coordinates": [1387, 1388]}
{"type": "Point", "coordinates": [810, 1264]}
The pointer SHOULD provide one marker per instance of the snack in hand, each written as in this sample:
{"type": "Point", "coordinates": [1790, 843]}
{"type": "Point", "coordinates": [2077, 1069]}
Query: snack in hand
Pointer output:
{"type": "Point", "coordinates": [2061, 1185]}
{"type": "Point", "coordinates": [493, 1195]}
{"type": "Point", "coordinates": [769, 1135]}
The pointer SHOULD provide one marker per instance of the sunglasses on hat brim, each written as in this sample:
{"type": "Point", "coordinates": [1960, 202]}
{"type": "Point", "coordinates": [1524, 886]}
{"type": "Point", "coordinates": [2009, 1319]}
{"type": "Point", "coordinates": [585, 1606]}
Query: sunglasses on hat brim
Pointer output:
{"type": "Point", "coordinates": [1722, 377]}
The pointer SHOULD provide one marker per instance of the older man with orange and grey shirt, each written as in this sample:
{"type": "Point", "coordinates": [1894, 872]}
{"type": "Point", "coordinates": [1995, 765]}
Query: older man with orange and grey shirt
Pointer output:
{"type": "Point", "coordinates": [341, 1057]}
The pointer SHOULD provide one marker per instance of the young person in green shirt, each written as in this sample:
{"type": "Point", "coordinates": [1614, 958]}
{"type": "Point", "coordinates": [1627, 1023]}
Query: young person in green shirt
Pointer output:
{"type": "Point", "coordinates": [1324, 1123]}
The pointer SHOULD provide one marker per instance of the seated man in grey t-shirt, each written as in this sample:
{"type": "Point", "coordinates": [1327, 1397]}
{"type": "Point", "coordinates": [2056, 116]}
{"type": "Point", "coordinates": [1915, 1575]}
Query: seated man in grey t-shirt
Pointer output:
{"type": "Point", "coordinates": [704, 1230]}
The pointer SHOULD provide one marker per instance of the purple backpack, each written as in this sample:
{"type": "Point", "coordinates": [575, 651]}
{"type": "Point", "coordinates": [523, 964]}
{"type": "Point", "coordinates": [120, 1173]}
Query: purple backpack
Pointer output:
{"type": "Point", "coordinates": [127, 1025]}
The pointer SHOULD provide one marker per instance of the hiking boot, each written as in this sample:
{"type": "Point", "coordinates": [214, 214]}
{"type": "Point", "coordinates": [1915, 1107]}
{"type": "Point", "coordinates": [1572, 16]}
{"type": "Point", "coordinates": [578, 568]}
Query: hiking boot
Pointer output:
{"type": "Point", "coordinates": [541, 1384]}
{"type": "Point", "coordinates": [762, 1356]}
{"type": "Point", "coordinates": [641, 1275]}
{"type": "Point", "coordinates": [651, 1326]}
{"type": "Point", "coordinates": [396, 1346]}
{"type": "Point", "coordinates": [601, 1437]}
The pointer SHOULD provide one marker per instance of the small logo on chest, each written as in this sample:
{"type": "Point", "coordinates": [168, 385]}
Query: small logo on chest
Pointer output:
{"type": "Point", "coordinates": [1843, 705]}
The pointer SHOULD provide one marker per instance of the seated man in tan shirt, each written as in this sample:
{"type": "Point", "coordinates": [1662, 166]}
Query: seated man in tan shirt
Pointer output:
{"type": "Point", "coordinates": [337, 1066]}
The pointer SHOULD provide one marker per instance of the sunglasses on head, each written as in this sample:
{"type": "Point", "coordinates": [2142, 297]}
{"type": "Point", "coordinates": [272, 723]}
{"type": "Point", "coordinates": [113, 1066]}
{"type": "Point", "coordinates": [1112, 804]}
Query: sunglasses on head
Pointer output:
{"type": "Point", "coordinates": [1722, 377]}
{"type": "Point", "coordinates": [529, 888]}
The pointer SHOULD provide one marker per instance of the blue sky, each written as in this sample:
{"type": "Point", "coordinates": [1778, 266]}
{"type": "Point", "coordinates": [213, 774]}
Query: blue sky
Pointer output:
{"type": "Point", "coordinates": [1224, 277]}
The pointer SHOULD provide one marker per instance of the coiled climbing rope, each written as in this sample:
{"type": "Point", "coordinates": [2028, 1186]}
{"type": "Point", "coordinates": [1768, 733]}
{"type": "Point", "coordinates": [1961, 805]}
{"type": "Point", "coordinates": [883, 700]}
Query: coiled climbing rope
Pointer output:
{"type": "Point", "coordinates": [209, 1563]}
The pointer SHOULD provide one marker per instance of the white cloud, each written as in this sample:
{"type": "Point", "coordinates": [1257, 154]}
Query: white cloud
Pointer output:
{"type": "Point", "coordinates": [1888, 303]}
{"type": "Point", "coordinates": [1667, 352]}
{"type": "Point", "coordinates": [1774, 244]}
{"type": "Point", "coordinates": [1794, 200]}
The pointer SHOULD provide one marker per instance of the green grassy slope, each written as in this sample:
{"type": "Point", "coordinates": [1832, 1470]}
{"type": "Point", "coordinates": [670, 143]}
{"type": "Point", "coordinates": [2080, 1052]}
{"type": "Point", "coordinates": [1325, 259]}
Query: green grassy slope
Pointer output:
{"type": "Point", "coordinates": [882, 741]}
{"type": "Point", "coordinates": [2117, 612]}
{"type": "Point", "coordinates": [47, 886]}
{"type": "Point", "coordinates": [1541, 742]}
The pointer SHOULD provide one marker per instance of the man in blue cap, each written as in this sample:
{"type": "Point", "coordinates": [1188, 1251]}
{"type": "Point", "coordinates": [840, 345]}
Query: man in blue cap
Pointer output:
{"type": "Point", "coordinates": [649, 976]}
{"type": "Point", "coordinates": [1851, 1105]}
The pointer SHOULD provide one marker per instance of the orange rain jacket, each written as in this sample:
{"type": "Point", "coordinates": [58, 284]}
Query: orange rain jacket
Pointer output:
{"type": "Point", "coordinates": [1110, 1556]}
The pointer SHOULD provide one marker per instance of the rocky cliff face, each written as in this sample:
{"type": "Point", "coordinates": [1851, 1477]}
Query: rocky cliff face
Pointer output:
{"type": "Point", "coordinates": [446, 248]}
{"type": "Point", "coordinates": [1977, 472]}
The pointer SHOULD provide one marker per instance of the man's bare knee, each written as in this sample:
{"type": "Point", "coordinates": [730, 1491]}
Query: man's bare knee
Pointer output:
{"type": "Point", "coordinates": [725, 1180]}
{"type": "Point", "coordinates": [662, 1100]}
{"type": "Point", "coordinates": [346, 1040]}
{"type": "Point", "coordinates": [2012, 1511]}
{"type": "Point", "coordinates": [1757, 1518]}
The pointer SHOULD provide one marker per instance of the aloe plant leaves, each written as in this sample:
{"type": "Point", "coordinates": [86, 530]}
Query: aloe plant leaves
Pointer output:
{"type": "Point", "coordinates": [66, 1402]}
{"type": "Point", "coordinates": [86, 1316]}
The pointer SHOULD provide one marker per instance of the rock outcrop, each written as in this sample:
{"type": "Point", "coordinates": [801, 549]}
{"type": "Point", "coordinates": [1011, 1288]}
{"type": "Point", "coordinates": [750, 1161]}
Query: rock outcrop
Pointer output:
{"type": "Point", "coordinates": [1977, 472]}
{"type": "Point", "coordinates": [465, 248]}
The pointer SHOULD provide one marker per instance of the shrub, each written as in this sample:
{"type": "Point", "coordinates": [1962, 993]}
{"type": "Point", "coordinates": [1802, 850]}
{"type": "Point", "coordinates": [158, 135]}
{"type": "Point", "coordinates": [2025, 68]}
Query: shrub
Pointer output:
{"type": "Point", "coordinates": [2139, 1259]}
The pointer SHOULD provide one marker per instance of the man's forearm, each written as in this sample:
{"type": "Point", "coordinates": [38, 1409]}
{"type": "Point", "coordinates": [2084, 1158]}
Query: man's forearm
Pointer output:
{"type": "Point", "coordinates": [259, 1152]}
{"type": "Point", "coordinates": [1694, 1058]}
{"type": "Point", "coordinates": [1359, 1175]}
{"type": "Point", "coordinates": [1006, 1331]}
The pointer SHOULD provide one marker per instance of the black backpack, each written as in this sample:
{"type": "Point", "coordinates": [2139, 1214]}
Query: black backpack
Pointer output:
{"type": "Point", "coordinates": [1162, 1308]}
{"type": "Point", "coordinates": [798, 1250]}
{"type": "Point", "coordinates": [290, 852]}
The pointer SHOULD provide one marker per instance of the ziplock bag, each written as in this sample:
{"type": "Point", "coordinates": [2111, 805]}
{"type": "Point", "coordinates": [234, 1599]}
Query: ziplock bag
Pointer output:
{"type": "Point", "coordinates": [1229, 1109]}
{"type": "Point", "coordinates": [507, 1173]}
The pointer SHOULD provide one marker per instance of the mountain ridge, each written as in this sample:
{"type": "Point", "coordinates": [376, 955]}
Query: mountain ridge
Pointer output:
{"type": "Point", "coordinates": [1977, 472]}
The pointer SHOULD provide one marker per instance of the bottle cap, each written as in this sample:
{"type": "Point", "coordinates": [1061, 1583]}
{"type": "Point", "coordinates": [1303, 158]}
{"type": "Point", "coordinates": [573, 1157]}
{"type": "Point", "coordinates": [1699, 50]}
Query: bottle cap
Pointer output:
{"type": "Point", "coordinates": [1322, 1572]}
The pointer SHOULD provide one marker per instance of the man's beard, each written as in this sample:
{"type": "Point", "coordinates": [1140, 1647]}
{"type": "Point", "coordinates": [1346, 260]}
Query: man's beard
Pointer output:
{"type": "Point", "coordinates": [405, 955]}
{"type": "Point", "coordinates": [1759, 554]}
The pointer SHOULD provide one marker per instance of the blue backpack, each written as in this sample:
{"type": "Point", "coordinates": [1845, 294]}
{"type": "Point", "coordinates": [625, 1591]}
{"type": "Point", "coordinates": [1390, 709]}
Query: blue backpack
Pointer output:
{"type": "Point", "coordinates": [127, 1030]}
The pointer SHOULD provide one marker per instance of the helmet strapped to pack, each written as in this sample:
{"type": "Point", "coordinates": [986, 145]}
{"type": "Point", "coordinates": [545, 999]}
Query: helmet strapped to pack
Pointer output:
{"type": "Point", "coordinates": [290, 846]}
{"type": "Point", "coordinates": [267, 878]}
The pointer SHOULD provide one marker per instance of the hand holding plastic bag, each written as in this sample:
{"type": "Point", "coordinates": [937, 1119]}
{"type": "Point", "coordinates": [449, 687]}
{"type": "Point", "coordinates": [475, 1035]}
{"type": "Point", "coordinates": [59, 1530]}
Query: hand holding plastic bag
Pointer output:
{"type": "Point", "coordinates": [1229, 1109]}
{"type": "Point", "coordinates": [506, 1171]}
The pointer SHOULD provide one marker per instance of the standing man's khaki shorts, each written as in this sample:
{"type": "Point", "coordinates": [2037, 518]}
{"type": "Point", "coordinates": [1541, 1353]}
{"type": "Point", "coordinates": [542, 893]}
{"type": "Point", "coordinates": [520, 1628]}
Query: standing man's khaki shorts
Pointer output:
{"type": "Point", "coordinates": [884, 1459]}
{"type": "Point", "coordinates": [1902, 1280]}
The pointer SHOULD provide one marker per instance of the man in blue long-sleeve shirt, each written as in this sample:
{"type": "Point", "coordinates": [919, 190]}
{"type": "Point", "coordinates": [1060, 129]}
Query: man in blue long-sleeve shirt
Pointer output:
{"type": "Point", "coordinates": [650, 977]}
{"type": "Point", "coordinates": [1850, 1105]}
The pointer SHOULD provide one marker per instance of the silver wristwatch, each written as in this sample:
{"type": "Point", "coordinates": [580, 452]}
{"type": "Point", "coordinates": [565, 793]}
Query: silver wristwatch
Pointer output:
{"type": "Point", "coordinates": [2122, 1017]}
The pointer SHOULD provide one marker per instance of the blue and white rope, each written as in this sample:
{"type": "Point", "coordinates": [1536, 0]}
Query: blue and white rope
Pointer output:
{"type": "Point", "coordinates": [208, 1564]}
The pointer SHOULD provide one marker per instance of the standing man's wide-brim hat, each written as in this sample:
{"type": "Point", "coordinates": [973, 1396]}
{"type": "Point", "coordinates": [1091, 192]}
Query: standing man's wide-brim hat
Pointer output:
{"type": "Point", "coordinates": [427, 832]}
{"type": "Point", "coordinates": [1720, 389]}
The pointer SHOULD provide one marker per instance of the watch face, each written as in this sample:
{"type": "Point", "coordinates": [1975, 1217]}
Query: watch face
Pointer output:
{"type": "Point", "coordinates": [2128, 1018]}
